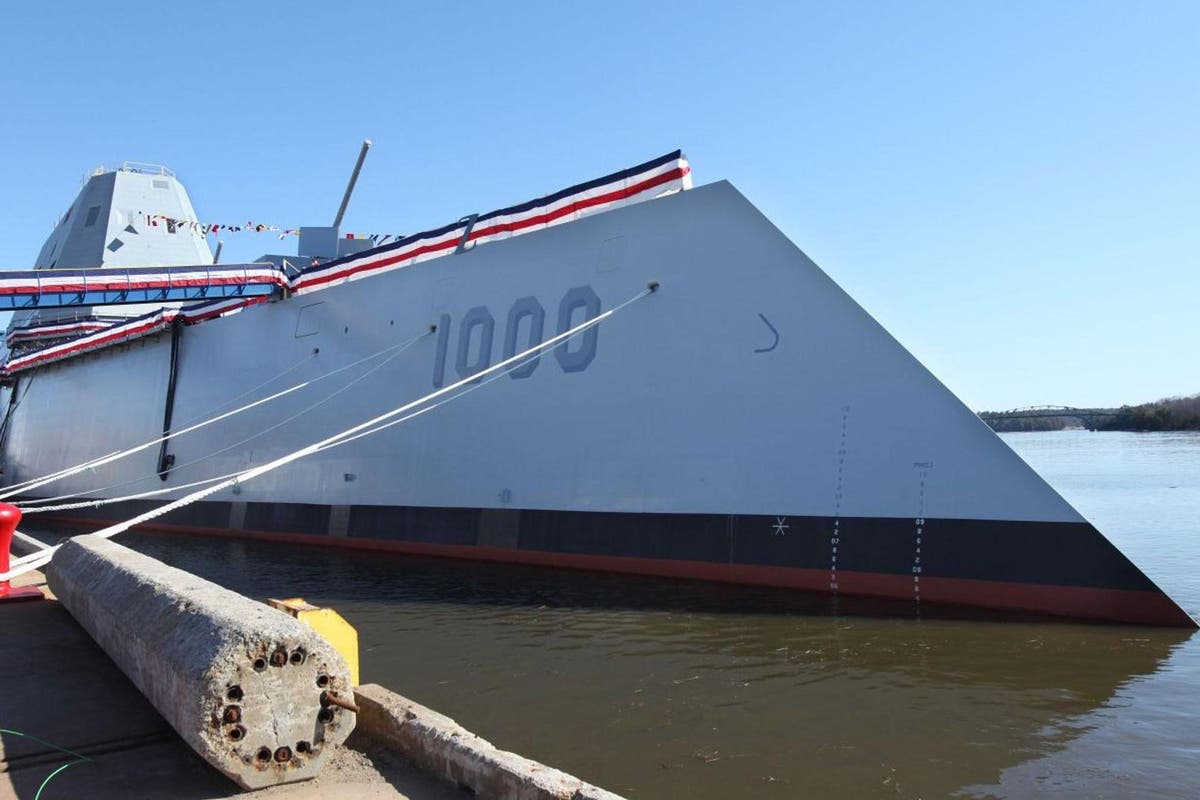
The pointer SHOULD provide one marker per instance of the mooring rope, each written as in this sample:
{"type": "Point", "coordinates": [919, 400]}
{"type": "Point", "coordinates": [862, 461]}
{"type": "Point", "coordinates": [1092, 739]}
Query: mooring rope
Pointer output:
{"type": "Point", "coordinates": [20, 488]}
{"type": "Point", "coordinates": [100, 462]}
{"type": "Point", "coordinates": [35, 506]}
{"type": "Point", "coordinates": [374, 425]}
{"type": "Point", "coordinates": [104, 501]}
{"type": "Point", "coordinates": [95, 503]}
{"type": "Point", "coordinates": [429, 408]}
{"type": "Point", "coordinates": [16, 562]}
{"type": "Point", "coordinates": [142, 495]}
{"type": "Point", "coordinates": [398, 348]}
{"type": "Point", "coordinates": [285, 371]}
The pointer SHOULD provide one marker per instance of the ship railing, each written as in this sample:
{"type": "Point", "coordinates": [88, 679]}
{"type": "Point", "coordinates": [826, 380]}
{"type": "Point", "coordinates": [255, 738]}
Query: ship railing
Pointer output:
{"type": "Point", "coordinates": [146, 169]}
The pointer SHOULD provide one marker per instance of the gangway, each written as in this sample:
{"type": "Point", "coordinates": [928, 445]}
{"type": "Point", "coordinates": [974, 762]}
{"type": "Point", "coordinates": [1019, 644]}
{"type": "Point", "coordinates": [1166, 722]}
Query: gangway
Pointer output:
{"type": "Point", "coordinates": [108, 286]}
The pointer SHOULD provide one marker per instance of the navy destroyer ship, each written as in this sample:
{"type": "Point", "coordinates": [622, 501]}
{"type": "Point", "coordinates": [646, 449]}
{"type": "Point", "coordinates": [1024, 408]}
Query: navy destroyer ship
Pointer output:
{"type": "Point", "coordinates": [741, 419]}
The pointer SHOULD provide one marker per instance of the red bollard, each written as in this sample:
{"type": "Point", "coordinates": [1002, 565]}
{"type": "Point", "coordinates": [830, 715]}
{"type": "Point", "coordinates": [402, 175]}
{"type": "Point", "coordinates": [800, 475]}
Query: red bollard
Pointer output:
{"type": "Point", "coordinates": [10, 515]}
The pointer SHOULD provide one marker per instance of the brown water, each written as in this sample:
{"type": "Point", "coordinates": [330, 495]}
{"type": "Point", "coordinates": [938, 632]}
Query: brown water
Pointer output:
{"type": "Point", "coordinates": [660, 689]}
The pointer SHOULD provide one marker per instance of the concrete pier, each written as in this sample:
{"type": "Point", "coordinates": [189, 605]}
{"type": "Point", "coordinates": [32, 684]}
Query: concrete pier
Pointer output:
{"type": "Point", "coordinates": [63, 693]}
{"type": "Point", "coordinates": [61, 688]}
{"type": "Point", "coordinates": [441, 746]}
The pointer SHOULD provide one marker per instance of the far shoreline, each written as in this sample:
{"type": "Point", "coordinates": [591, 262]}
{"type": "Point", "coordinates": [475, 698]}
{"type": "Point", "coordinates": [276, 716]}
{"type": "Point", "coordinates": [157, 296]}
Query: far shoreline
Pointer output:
{"type": "Point", "coordinates": [1168, 414]}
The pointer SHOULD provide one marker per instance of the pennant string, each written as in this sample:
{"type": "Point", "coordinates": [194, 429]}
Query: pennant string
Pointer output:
{"type": "Point", "coordinates": [250, 226]}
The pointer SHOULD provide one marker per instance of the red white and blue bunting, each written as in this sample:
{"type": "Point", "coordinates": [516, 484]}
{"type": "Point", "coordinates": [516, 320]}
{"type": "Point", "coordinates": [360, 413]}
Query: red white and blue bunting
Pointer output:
{"type": "Point", "coordinates": [129, 329]}
{"type": "Point", "coordinates": [664, 175]}
{"type": "Point", "coordinates": [60, 329]}
{"type": "Point", "coordinates": [137, 279]}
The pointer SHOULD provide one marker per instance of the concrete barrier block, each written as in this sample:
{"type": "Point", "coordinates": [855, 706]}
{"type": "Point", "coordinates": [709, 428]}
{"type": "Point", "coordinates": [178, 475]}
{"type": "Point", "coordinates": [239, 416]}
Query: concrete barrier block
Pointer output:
{"type": "Point", "coordinates": [440, 745]}
{"type": "Point", "coordinates": [245, 685]}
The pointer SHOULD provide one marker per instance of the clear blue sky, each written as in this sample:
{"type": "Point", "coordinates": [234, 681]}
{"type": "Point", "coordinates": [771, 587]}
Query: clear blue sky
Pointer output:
{"type": "Point", "coordinates": [1013, 189]}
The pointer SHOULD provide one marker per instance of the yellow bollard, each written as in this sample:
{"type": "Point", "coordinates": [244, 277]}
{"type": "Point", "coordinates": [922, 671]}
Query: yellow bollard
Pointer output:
{"type": "Point", "coordinates": [329, 625]}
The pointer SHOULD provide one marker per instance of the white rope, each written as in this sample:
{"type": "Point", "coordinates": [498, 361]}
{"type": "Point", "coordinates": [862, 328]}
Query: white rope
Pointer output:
{"type": "Point", "coordinates": [29, 540]}
{"type": "Point", "coordinates": [97, 503]}
{"type": "Point", "coordinates": [253, 389]}
{"type": "Point", "coordinates": [104, 501]}
{"type": "Point", "coordinates": [250, 474]}
{"type": "Point", "coordinates": [29, 505]}
{"type": "Point", "coordinates": [14, 566]}
{"type": "Point", "coordinates": [20, 488]}
{"type": "Point", "coordinates": [100, 462]}
{"type": "Point", "coordinates": [429, 408]}
{"type": "Point", "coordinates": [116, 455]}
{"type": "Point", "coordinates": [40, 545]}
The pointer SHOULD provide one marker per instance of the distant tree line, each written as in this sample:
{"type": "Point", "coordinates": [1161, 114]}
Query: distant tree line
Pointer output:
{"type": "Point", "coordinates": [1169, 414]}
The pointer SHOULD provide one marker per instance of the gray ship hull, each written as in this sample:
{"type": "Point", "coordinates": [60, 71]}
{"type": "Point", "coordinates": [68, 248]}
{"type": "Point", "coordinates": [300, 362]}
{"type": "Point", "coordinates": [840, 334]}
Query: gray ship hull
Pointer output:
{"type": "Point", "coordinates": [747, 422]}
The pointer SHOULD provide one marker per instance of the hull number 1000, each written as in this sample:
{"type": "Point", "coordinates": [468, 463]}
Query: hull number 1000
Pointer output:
{"type": "Point", "coordinates": [474, 338]}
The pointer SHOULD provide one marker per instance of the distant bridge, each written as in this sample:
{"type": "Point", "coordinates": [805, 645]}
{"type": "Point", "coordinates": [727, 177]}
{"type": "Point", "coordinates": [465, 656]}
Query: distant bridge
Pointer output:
{"type": "Point", "coordinates": [1091, 418]}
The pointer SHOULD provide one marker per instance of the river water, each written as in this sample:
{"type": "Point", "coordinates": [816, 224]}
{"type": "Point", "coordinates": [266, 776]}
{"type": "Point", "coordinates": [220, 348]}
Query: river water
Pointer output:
{"type": "Point", "coordinates": [662, 689]}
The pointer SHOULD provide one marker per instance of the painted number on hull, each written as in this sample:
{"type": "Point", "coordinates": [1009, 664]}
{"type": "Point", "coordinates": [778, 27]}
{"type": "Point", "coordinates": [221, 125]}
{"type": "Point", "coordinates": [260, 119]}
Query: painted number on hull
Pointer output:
{"type": "Point", "coordinates": [524, 327]}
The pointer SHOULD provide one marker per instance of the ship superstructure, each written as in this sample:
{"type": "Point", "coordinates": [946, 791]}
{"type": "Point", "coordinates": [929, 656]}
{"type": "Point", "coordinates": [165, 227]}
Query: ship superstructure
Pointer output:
{"type": "Point", "coordinates": [113, 223]}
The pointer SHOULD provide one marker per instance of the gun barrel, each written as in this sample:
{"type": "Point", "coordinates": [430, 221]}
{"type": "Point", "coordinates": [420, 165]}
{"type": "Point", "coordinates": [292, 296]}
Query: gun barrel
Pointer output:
{"type": "Point", "coordinates": [362, 156]}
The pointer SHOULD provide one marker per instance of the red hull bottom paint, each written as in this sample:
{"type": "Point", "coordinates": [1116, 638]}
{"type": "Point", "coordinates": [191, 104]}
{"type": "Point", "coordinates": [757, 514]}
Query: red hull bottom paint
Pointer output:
{"type": "Point", "coordinates": [1074, 602]}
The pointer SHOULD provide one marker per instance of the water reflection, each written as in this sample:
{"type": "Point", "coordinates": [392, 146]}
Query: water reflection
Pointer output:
{"type": "Point", "coordinates": [664, 689]}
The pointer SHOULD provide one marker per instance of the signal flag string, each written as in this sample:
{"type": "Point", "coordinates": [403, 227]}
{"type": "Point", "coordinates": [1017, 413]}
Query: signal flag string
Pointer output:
{"type": "Point", "coordinates": [373, 425]}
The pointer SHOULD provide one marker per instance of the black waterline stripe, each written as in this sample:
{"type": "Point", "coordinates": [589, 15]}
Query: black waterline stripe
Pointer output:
{"type": "Point", "coordinates": [1053, 553]}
